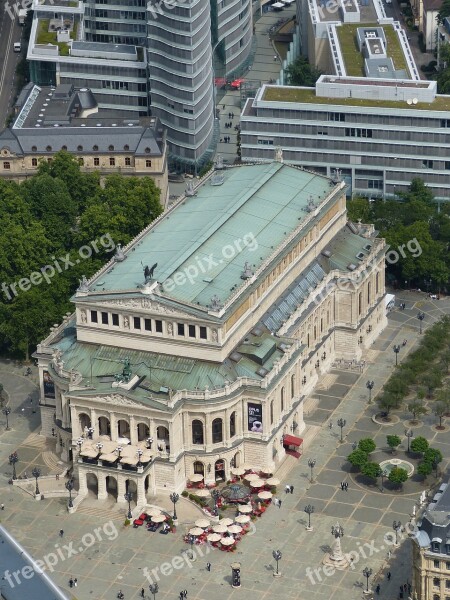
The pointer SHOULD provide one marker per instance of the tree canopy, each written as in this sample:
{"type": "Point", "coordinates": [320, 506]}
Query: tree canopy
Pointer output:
{"type": "Point", "coordinates": [45, 220]}
{"type": "Point", "coordinates": [301, 73]}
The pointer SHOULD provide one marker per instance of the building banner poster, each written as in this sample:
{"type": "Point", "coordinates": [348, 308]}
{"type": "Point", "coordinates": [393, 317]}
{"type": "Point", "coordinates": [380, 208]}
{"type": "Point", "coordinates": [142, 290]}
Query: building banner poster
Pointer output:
{"type": "Point", "coordinates": [49, 385]}
{"type": "Point", "coordinates": [255, 420]}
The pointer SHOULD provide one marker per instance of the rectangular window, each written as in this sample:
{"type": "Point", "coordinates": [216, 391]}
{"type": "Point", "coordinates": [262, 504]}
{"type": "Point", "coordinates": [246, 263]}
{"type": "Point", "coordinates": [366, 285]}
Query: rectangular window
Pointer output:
{"type": "Point", "coordinates": [203, 335]}
{"type": "Point", "coordinates": [127, 161]}
{"type": "Point", "coordinates": [147, 324]}
{"type": "Point", "coordinates": [375, 184]}
{"type": "Point", "coordinates": [336, 116]}
{"type": "Point", "coordinates": [34, 162]}
{"type": "Point", "coordinates": [148, 164]}
{"type": "Point", "coordinates": [81, 162]}
{"type": "Point", "coordinates": [158, 326]}
{"type": "Point", "coordinates": [105, 320]}
{"type": "Point", "coordinates": [96, 162]}
{"type": "Point", "coordinates": [447, 584]}
{"type": "Point", "coordinates": [436, 582]}
{"type": "Point", "coordinates": [6, 165]}
{"type": "Point", "coordinates": [427, 164]}
{"type": "Point", "coordinates": [180, 327]}
{"type": "Point", "coordinates": [112, 162]}
{"type": "Point", "coordinates": [115, 319]}
{"type": "Point", "coordinates": [137, 322]}
{"type": "Point", "coordinates": [447, 566]}
{"type": "Point", "coordinates": [94, 318]}
{"type": "Point", "coordinates": [192, 331]}
{"type": "Point", "coordinates": [436, 564]}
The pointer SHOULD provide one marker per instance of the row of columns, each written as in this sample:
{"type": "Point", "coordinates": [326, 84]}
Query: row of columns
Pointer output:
{"type": "Point", "coordinates": [119, 478]}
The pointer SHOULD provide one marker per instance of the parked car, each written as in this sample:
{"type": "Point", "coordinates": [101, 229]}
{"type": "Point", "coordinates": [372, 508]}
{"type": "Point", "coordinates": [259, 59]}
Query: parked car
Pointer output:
{"type": "Point", "coordinates": [236, 84]}
{"type": "Point", "coordinates": [17, 46]}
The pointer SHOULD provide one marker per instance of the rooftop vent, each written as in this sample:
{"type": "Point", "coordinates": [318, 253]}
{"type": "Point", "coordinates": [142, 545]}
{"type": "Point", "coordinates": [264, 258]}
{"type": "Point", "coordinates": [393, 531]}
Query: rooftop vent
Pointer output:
{"type": "Point", "coordinates": [262, 372]}
{"type": "Point", "coordinates": [326, 253]}
{"type": "Point", "coordinates": [257, 332]}
{"type": "Point", "coordinates": [351, 267]}
{"type": "Point", "coordinates": [368, 247]}
{"type": "Point", "coordinates": [235, 357]}
{"type": "Point", "coordinates": [360, 256]}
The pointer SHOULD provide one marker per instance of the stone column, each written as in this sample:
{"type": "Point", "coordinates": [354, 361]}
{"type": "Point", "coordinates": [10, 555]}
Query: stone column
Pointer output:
{"type": "Point", "coordinates": [133, 431]}
{"type": "Point", "coordinates": [113, 426]}
{"type": "Point", "coordinates": [141, 499]}
{"type": "Point", "coordinates": [102, 492]}
{"type": "Point", "coordinates": [94, 422]}
{"type": "Point", "coordinates": [121, 488]}
{"type": "Point", "coordinates": [83, 490]}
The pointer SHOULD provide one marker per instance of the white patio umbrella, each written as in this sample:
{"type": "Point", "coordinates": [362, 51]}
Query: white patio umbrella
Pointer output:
{"type": "Point", "coordinates": [273, 481]}
{"type": "Point", "coordinates": [227, 541]}
{"type": "Point", "coordinates": [242, 519]}
{"type": "Point", "coordinates": [196, 531]}
{"type": "Point", "coordinates": [220, 528]}
{"type": "Point", "coordinates": [265, 471]}
{"type": "Point", "coordinates": [245, 509]}
{"type": "Point", "coordinates": [246, 466]}
{"type": "Point", "coordinates": [202, 493]}
{"type": "Point", "coordinates": [265, 495]}
{"type": "Point", "coordinates": [256, 483]}
{"type": "Point", "coordinates": [213, 537]}
{"type": "Point", "coordinates": [251, 476]}
{"type": "Point", "coordinates": [196, 477]}
{"type": "Point", "coordinates": [153, 512]}
{"type": "Point", "coordinates": [203, 523]}
{"type": "Point", "coordinates": [234, 529]}
{"type": "Point", "coordinates": [226, 521]}
{"type": "Point", "coordinates": [159, 518]}
{"type": "Point", "coordinates": [238, 471]}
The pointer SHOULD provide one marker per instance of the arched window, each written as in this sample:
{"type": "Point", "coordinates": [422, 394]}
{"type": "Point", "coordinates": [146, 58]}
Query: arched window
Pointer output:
{"type": "Point", "coordinates": [34, 148]}
{"type": "Point", "coordinates": [271, 412]}
{"type": "Point", "coordinates": [126, 147]}
{"type": "Point", "coordinates": [80, 148]}
{"type": "Point", "coordinates": [233, 424]}
{"type": "Point", "coordinates": [308, 341]}
{"type": "Point", "coordinates": [111, 148]}
{"type": "Point", "coordinates": [292, 386]}
{"type": "Point", "coordinates": [49, 148]}
{"type": "Point", "coordinates": [217, 431]}
{"type": "Point", "coordinates": [282, 399]}
{"type": "Point", "coordinates": [368, 292]}
{"type": "Point", "coordinates": [359, 303]}
{"type": "Point", "coordinates": [197, 432]}
{"type": "Point", "coordinates": [199, 468]}
{"type": "Point", "coordinates": [64, 148]}
{"type": "Point", "coordinates": [95, 148]}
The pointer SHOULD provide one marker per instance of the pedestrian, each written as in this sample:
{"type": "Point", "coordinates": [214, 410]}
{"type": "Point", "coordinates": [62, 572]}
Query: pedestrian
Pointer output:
{"type": "Point", "coordinates": [2, 506]}
{"type": "Point", "coordinates": [223, 106]}
{"type": "Point", "coordinates": [292, 489]}
{"type": "Point", "coordinates": [75, 582]}
{"type": "Point", "coordinates": [342, 485]}
{"type": "Point", "coordinates": [232, 115]}
{"type": "Point", "coordinates": [330, 425]}
{"type": "Point", "coordinates": [274, 57]}
{"type": "Point", "coordinates": [71, 583]}
{"type": "Point", "coordinates": [229, 115]}
{"type": "Point", "coordinates": [57, 477]}
{"type": "Point", "coordinates": [142, 593]}
{"type": "Point", "coordinates": [401, 589]}
{"type": "Point", "coordinates": [287, 489]}
{"type": "Point", "coordinates": [389, 575]}
{"type": "Point", "coordinates": [208, 566]}
{"type": "Point", "coordinates": [405, 587]}
{"type": "Point", "coordinates": [185, 594]}
{"type": "Point", "coordinates": [61, 532]}
{"type": "Point", "coordinates": [181, 595]}
{"type": "Point", "coordinates": [377, 589]}
{"type": "Point", "coordinates": [346, 486]}
{"type": "Point", "coordinates": [279, 503]}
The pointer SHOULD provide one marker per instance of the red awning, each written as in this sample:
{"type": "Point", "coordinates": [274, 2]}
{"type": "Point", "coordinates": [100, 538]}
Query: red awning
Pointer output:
{"type": "Point", "coordinates": [291, 440]}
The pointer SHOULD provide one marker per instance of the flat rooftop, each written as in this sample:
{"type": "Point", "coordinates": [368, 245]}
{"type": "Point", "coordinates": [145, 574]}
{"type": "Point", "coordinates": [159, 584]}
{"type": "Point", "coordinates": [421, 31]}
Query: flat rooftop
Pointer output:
{"type": "Point", "coordinates": [308, 96]}
{"type": "Point", "coordinates": [241, 221]}
{"type": "Point", "coordinates": [354, 59]}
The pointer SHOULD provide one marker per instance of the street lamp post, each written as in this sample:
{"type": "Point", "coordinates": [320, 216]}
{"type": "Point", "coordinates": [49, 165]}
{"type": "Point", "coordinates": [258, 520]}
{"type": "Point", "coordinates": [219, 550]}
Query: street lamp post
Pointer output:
{"type": "Point", "coordinates": [369, 386]}
{"type": "Point", "coordinates": [69, 487]}
{"type": "Point", "coordinates": [342, 423]}
{"type": "Point", "coordinates": [309, 509]}
{"type": "Point", "coordinates": [409, 434]}
{"type": "Point", "coordinates": [277, 556]}
{"type": "Point", "coordinates": [215, 494]}
{"type": "Point", "coordinates": [149, 441]}
{"type": "Point", "coordinates": [119, 450]}
{"type": "Point", "coordinates": [13, 459]}
{"type": "Point", "coordinates": [7, 411]}
{"type": "Point", "coordinates": [396, 526]}
{"type": "Point", "coordinates": [190, 541]}
{"type": "Point", "coordinates": [36, 474]}
{"type": "Point", "coordinates": [128, 497]}
{"type": "Point", "coordinates": [79, 443]}
{"type": "Point", "coordinates": [139, 453]}
{"type": "Point", "coordinates": [153, 589]}
{"type": "Point", "coordinates": [396, 349]}
{"type": "Point", "coordinates": [383, 475]}
{"type": "Point", "coordinates": [421, 317]}
{"type": "Point", "coordinates": [304, 380]}
{"type": "Point", "coordinates": [311, 465]}
{"type": "Point", "coordinates": [367, 573]}
{"type": "Point", "coordinates": [174, 497]}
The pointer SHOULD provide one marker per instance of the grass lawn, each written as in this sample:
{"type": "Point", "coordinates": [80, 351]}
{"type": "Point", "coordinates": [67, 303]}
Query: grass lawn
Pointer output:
{"type": "Point", "coordinates": [44, 36]}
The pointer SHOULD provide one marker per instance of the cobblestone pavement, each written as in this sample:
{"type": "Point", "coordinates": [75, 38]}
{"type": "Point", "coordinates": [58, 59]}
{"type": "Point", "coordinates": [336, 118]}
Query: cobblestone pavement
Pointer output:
{"type": "Point", "coordinates": [105, 556]}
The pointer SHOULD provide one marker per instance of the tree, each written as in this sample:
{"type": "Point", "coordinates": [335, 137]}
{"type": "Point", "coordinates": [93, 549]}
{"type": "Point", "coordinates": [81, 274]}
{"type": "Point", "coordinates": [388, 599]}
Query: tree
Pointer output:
{"type": "Point", "coordinates": [300, 72]}
{"type": "Point", "coordinates": [367, 445]}
{"type": "Point", "coordinates": [419, 445]}
{"type": "Point", "coordinates": [372, 470]}
{"type": "Point", "coordinates": [357, 458]}
{"type": "Point", "coordinates": [431, 380]}
{"type": "Point", "coordinates": [417, 409]}
{"type": "Point", "coordinates": [432, 456]}
{"type": "Point", "coordinates": [393, 441]}
{"type": "Point", "coordinates": [388, 401]}
{"type": "Point", "coordinates": [359, 208]}
{"type": "Point", "coordinates": [424, 468]}
{"type": "Point", "coordinates": [398, 476]}
{"type": "Point", "coordinates": [439, 410]}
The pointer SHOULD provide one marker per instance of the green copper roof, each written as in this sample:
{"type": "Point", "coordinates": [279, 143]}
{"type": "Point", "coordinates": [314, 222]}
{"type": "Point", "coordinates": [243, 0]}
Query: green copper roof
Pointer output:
{"type": "Point", "coordinates": [206, 240]}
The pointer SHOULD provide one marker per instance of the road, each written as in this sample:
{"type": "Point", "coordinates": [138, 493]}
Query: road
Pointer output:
{"type": "Point", "coordinates": [10, 32]}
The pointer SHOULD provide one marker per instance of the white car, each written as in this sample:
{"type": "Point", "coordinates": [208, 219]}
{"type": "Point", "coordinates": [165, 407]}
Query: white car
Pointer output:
{"type": "Point", "coordinates": [17, 46]}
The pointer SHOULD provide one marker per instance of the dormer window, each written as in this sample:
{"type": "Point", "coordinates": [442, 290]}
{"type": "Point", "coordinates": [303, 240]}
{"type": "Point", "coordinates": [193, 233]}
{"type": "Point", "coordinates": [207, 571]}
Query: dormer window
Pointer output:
{"type": "Point", "coordinates": [436, 544]}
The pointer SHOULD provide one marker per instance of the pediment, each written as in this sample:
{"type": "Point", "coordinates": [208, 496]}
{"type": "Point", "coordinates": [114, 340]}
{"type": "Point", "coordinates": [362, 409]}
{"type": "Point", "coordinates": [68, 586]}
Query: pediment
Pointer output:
{"type": "Point", "coordinates": [116, 399]}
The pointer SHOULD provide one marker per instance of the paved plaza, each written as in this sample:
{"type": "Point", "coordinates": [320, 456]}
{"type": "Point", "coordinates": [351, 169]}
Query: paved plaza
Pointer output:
{"type": "Point", "coordinates": [106, 556]}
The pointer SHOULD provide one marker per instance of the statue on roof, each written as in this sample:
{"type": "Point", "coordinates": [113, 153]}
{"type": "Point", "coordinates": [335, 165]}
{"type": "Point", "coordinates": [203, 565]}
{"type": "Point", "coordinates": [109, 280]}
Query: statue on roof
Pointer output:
{"type": "Point", "coordinates": [83, 287]}
{"type": "Point", "coordinates": [148, 272]}
{"type": "Point", "coordinates": [279, 154]}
